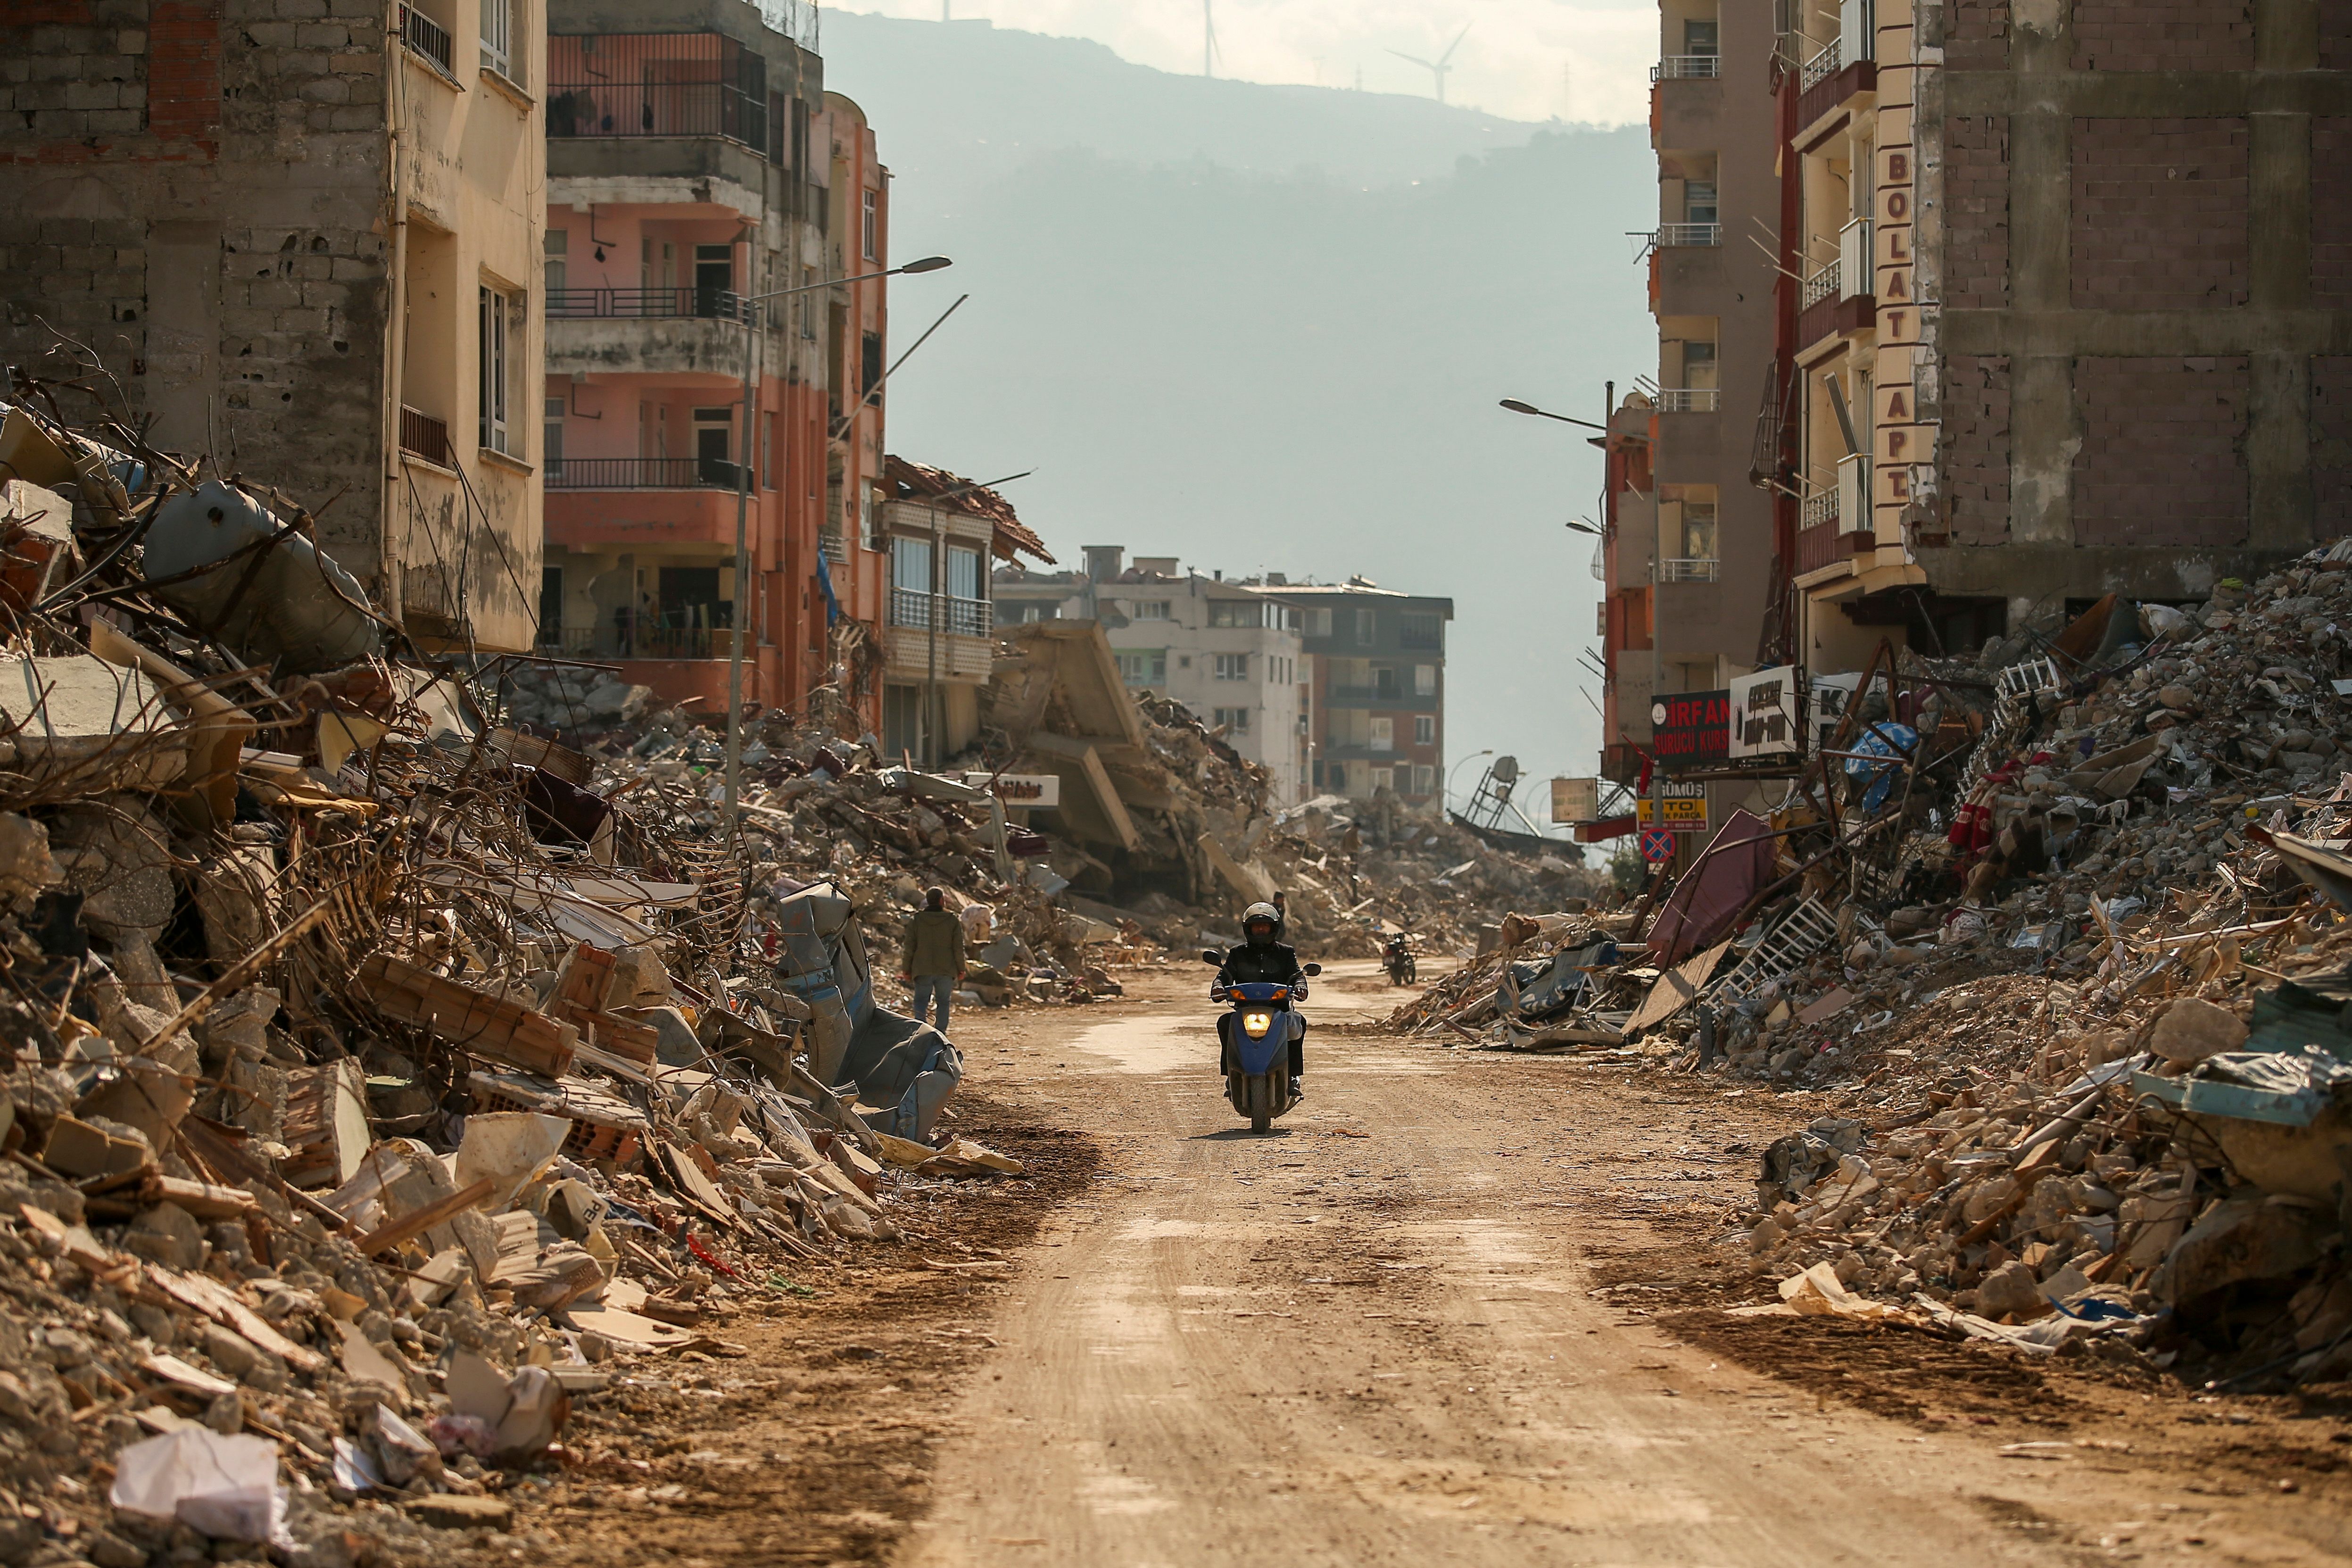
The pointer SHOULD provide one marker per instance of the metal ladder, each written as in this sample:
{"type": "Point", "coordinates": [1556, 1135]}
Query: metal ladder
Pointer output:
{"type": "Point", "coordinates": [1803, 932]}
{"type": "Point", "coordinates": [2015, 691]}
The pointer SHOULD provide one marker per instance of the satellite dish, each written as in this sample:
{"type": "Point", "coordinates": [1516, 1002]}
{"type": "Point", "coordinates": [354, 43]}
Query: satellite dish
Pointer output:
{"type": "Point", "coordinates": [1507, 770]}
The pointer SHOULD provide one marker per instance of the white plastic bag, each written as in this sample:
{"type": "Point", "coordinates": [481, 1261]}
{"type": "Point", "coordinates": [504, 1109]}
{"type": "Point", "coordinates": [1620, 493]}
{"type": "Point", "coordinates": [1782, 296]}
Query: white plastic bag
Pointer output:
{"type": "Point", "coordinates": [225, 1487]}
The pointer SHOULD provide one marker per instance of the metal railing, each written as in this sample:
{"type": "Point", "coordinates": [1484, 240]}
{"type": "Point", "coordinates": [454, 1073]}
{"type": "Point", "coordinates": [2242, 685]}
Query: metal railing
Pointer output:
{"type": "Point", "coordinates": [1822, 285]}
{"type": "Point", "coordinates": [426, 36]}
{"type": "Point", "coordinates": [656, 84]}
{"type": "Point", "coordinates": [641, 474]}
{"type": "Point", "coordinates": [1687, 68]}
{"type": "Point", "coordinates": [1820, 509]}
{"type": "Point", "coordinates": [638, 642]}
{"type": "Point", "coordinates": [912, 610]}
{"type": "Point", "coordinates": [646, 304]}
{"type": "Point", "coordinates": [1689, 399]}
{"type": "Point", "coordinates": [1823, 66]}
{"type": "Point", "coordinates": [1689, 234]}
{"type": "Point", "coordinates": [1689, 570]}
{"type": "Point", "coordinates": [425, 435]}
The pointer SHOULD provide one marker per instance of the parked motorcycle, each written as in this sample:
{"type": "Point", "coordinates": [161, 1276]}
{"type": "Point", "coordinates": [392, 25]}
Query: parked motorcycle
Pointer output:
{"type": "Point", "coordinates": [1397, 959]}
{"type": "Point", "coordinates": [1256, 1047]}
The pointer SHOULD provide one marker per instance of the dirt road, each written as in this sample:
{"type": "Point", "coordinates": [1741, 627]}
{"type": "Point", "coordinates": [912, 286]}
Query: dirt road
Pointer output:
{"type": "Point", "coordinates": [1380, 1336]}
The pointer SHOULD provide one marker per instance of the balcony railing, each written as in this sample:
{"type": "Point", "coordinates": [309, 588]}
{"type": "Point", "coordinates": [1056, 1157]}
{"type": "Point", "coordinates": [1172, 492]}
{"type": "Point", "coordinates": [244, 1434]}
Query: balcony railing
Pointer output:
{"type": "Point", "coordinates": [1689, 571]}
{"type": "Point", "coordinates": [1821, 509]}
{"type": "Point", "coordinates": [646, 304]}
{"type": "Point", "coordinates": [1817, 543]}
{"type": "Point", "coordinates": [1672, 234]}
{"type": "Point", "coordinates": [638, 642]}
{"type": "Point", "coordinates": [1823, 66]}
{"type": "Point", "coordinates": [425, 435]}
{"type": "Point", "coordinates": [1823, 284]}
{"type": "Point", "coordinates": [1687, 68]}
{"type": "Point", "coordinates": [427, 37]}
{"type": "Point", "coordinates": [656, 84]}
{"type": "Point", "coordinates": [912, 610]}
{"type": "Point", "coordinates": [641, 474]}
{"type": "Point", "coordinates": [1689, 399]}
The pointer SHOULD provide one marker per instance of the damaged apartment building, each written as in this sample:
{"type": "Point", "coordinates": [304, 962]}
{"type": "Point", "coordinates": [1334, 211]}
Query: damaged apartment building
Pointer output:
{"type": "Point", "coordinates": [695, 163]}
{"type": "Point", "coordinates": [308, 244]}
{"type": "Point", "coordinates": [2067, 310]}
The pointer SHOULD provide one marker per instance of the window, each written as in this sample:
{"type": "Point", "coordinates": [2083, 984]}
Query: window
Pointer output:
{"type": "Point", "coordinates": [873, 361]}
{"type": "Point", "coordinates": [557, 250]}
{"type": "Point", "coordinates": [1236, 613]}
{"type": "Point", "coordinates": [1363, 628]}
{"type": "Point", "coordinates": [1423, 630]}
{"type": "Point", "coordinates": [1384, 683]}
{"type": "Point", "coordinates": [1425, 728]}
{"type": "Point", "coordinates": [1424, 778]}
{"type": "Point", "coordinates": [870, 520]}
{"type": "Point", "coordinates": [1149, 609]}
{"type": "Point", "coordinates": [910, 563]}
{"type": "Point", "coordinates": [1318, 622]}
{"type": "Point", "coordinates": [1143, 667]}
{"type": "Point", "coordinates": [551, 439]}
{"type": "Point", "coordinates": [1701, 37]}
{"type": "Point", "coordinates": [870, 226]}
{"type": "Point", "coordinates": [768, 452]}
{"type": "Point", "coordinates": [1698, 531]}
{"type": "Point", "coordinates": [551, 607]}
{"type": "Point", "coordinates": [714, 446]}
{"type": "Point", "coordinates": [500, 321]}
{"type": "Point", "coordinates": [1699, 366]}
{"type": "Point", "coordinates": [963, 573]}
{"type": "Point", "coordinates": [1424, 680]}
{"type": "Point", "coordinates": [809, 304]}
{"type": "Point", "coordinates": [1233, 720]}
{"type": "Point", "coordinates": [1699, 201]}
{"type": "Point", "coordinates": [1382, 734]}
{"type": "Point", "coordinates": [1232, 667]}
{"type": "Point", "coordinates": [714, 279]}
{"type": "Point", "coordinates": [498, 36]}
{"type": "Point", "coordinates": [1383, 779]}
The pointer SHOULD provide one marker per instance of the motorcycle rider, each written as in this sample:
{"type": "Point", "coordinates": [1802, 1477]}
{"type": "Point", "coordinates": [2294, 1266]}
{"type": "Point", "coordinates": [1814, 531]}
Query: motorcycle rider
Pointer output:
{"type": "Point", "coordinates": [1265, 960]}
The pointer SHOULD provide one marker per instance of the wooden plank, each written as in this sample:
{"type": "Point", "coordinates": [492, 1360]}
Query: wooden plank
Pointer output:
{"type": "Point", "coordinates": [1675, 989]}
{"type": "Point", "coordinates": [416, 1222]}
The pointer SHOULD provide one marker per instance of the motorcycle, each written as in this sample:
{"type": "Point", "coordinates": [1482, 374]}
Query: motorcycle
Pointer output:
{"type": "Point", "coordinates": [1397, 959]}
{"type": "Point", "coordinates": [1256, 1057]}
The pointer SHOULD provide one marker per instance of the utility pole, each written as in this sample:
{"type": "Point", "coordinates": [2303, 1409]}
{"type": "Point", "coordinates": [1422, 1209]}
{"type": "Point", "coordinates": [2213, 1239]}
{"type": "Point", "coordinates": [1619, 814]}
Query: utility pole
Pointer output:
{"type": "Point", "coordinates": [1657, 646]}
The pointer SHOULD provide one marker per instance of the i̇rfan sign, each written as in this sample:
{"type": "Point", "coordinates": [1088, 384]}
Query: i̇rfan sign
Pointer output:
{"type": "Point", "coordinates": [1691, 729]}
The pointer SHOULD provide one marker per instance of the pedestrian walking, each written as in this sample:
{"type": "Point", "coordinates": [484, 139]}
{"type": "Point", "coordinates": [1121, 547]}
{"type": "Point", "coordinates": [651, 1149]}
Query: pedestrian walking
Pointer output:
{"type": "Point", "coordinates": [934, 956]}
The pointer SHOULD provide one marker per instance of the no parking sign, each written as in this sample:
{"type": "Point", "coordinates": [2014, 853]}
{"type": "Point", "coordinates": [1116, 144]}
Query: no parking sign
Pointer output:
{"type": "Point", "coordinates": [1657, 844]}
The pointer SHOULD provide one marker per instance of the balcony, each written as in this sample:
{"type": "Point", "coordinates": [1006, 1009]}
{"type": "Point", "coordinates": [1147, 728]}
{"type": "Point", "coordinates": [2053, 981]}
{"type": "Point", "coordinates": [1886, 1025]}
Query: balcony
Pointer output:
{"type": "Point", "coordinates": [1689, 570]}
{"type": "Point", "coordinates": [1687, 68]}
{"type": "Point", "coordinates": [1822, 66]}
{"type": "Point", "coordinates": [639, 473]}
{"type": "Point", "coordinates": [1817, 542]}
{"type": "Point", "coordinates": [1826, 283]}
{"type": "Point", "coordinates": [1821, 509]}
{"type": "Point", "coordinates": [1829, 80]}
{"type": "Point", "coordinates": [423, 436]}
{"type": "Point", "coordinates": [1689, 400]}
{"type": "Point", "coordinates": [425, 38]}
{"type": "Point", "coordinates": [1687, 235]}
{"type": "Point", "coordinates": [639, 643]}
{"type": "Point", "coordinates": [656, 84]}
{"type": "Point", "coordinates": [1833, 314]}
{"type": "Point", "coordinates": [645, 304]}
{"type": "Point", "coordinates": [913, 610]}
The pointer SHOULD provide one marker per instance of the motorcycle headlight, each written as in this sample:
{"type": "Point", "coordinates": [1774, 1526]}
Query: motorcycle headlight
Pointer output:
{"type": "Point", "coordinates": [1257, 1023]}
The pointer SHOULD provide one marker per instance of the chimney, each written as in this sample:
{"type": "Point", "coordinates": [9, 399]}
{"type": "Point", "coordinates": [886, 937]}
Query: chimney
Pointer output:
{"type": "Point", "coordinates": [1103, 560]}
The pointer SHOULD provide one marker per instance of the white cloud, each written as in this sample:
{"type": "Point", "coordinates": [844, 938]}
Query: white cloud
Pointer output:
{"type": "Point", "coordinates": [1524, 59]}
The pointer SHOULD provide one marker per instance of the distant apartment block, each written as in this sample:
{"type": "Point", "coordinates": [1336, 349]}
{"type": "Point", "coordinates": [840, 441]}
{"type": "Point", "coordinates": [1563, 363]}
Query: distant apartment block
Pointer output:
{"type": "Point", "coordinates": [1376, 689]}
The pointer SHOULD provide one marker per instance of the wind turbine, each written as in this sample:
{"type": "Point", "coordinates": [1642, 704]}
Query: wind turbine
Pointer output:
{"type": "Point", "coordinates": [1209, 50]}
{"type": "Point", "coordinates": [1439, 67]}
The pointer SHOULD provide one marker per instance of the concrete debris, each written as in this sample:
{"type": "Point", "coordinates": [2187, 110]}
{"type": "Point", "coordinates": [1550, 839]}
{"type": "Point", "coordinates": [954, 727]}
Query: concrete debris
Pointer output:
{"type": "Point", "coordinates": [383, 1073]}
{"type": "Point", "coordinates": [2070, 965]}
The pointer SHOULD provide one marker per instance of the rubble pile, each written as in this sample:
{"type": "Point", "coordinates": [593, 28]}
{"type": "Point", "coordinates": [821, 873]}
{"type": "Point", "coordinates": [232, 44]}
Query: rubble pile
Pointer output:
{"type": "Point", "coordinates": [2063, 929]}
{"type": "Point", "coordinates": [381, 1077]}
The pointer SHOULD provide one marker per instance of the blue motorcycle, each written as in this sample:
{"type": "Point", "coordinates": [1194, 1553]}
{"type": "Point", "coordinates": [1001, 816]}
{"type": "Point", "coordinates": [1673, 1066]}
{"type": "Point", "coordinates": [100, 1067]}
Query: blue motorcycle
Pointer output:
{"type": "Point", "coordinates": [1256, 1044]}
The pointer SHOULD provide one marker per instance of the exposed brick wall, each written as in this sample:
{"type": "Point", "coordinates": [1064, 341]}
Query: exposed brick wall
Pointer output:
{"type": "Point", "coordinates": [1976, 211]}
{"type": "Point", "coordinates": [2331, 445]}
{"type": "Point", "coordinates": [2159, 214]}
{"type": "Point", "coordinates": [1975, 447]}
{"type": "Point", "coordinates": [84, 277]}
{"type": "Point", "coordinates": [1976, 35]}
{"type": "Point", "coordinates": [2163, 459]}
{"type": "Point", "coordinates": [2164, 34]}
{"type": "Point", "coordinates": [183, 76]}
{"type": "Point", "coordinates": [2331, 211]}
{"type": "Point", "coordinates": [2335, 35]}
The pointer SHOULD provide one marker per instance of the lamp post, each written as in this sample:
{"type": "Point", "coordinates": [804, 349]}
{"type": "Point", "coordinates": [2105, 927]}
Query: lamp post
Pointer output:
{"type": "Point", "coordinates": [749, 317]}
{"type": "Point", "coordinates": [1657, 666]}
{"type": "Point", "coordinates": [1456, 772]}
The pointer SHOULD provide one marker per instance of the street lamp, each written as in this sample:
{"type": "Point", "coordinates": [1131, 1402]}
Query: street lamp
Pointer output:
{"type": "Point", "coordinates": [1456, 772]}
{"type": "Point", "coordinates": [750, 320]}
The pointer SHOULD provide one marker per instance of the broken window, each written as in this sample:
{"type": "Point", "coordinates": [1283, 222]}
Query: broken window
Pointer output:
{"type": "Point", "coordinates": [1699, 366]}
{"type": "Point", "coordinates": [1698, 531]}
{"type": "Point", "coordinates": [1143, 667]}
{"type": "Point", "coordinates": [1234, 720]}
{"type": "Point", "coordinates": [1699, 202]}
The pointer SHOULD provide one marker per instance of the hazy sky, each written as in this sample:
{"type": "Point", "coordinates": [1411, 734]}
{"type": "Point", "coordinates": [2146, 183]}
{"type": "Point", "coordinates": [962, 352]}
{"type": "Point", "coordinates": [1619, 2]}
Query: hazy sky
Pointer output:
{"type": "Point", "coordinates": [1528, 59]}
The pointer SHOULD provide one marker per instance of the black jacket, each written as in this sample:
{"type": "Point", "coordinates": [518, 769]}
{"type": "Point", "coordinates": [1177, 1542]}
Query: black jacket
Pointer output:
{"type": "Point", "coordinates": [1273, 964]}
